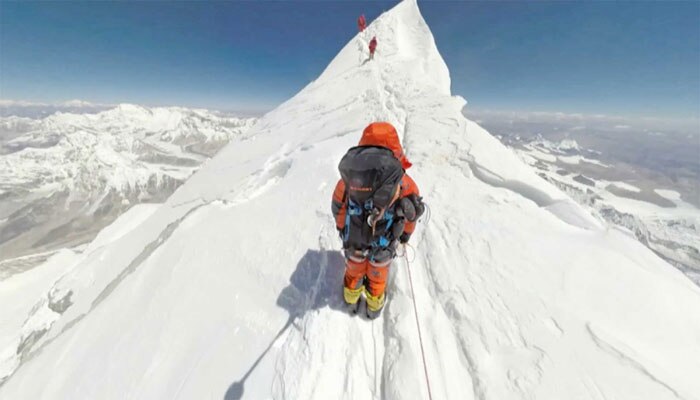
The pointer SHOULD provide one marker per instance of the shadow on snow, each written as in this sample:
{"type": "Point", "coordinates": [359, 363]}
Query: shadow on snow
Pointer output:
{"type": "Point", "coordinates": [316, 282]}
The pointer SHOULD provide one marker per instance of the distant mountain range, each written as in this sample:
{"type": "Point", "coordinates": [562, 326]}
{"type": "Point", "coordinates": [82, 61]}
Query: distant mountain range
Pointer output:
{"type": "Point", "coordinates": [65, 176]}
{"type": "Point", "coordinates": [620, 194]}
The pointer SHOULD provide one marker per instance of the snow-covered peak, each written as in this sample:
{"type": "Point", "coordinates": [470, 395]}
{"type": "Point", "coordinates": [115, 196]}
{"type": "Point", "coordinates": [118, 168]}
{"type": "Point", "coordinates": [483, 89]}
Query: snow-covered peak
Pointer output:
{"type": "Point", "coordinates": [564, 146]}
{"type": "Point", "coordinates": [233, 287]}
{"type": "Point", "coordinates": [402, 34]}
{"type": "Point", "coordinates": [569, 144]}
{"type": "Point", "coordinates": [67, 172]}
{"type": "Point", "coordinates": [168, 124]}
{"type": "Point", "coordinates": [78, 103]}
{"type": "Point", "coordinates": [132, 109]}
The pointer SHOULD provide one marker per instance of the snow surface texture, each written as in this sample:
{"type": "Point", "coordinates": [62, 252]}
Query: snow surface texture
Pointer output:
{"type": "Point", "coordinates": [232, 289]}
{"type": "Point", "coordinates": [19, 293]}
{"type": "Point", "coordinates": [66, 176]}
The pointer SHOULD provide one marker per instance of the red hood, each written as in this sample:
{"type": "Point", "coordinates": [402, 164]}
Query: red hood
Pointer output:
{"type": "Point", "coordinates": [383, 134]}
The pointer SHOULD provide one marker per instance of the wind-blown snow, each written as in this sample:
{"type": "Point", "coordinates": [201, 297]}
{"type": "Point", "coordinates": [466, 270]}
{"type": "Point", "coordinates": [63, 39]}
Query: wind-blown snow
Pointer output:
{"type": "Point", "coordinates": [232, 289]}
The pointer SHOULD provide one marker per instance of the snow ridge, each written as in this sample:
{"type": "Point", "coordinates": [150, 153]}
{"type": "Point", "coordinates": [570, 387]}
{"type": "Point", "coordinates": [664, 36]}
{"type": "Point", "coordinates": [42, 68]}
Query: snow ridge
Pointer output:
{"type": "Point", "coordinates": [239, 293]}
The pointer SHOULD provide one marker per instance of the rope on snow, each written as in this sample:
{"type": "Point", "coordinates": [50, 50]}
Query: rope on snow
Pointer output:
{"type": "Point", "coordinates": [415, 311]}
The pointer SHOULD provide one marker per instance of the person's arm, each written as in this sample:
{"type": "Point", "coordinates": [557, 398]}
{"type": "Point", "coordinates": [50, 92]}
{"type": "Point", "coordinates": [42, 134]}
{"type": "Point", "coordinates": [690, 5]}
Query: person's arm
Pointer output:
{"type": "Point", "coordinates": [411, 206]}
{"type": "Point", "coordinates": [338, 205]}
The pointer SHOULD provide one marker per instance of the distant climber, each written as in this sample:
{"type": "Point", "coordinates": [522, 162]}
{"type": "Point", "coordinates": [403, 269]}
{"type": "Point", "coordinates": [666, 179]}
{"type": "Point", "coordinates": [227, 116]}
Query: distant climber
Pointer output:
{"type": "Point", "coordinates": [376, 206]}
{"type": "Point", "coordinates": [361, 23]}
{"type": "Point", "coordinates": [372, 47]}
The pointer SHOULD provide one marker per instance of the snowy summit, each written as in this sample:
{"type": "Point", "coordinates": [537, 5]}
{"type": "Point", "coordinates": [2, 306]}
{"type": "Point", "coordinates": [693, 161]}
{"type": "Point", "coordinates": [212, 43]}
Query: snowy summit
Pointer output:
{"type": "Point", "coordinates": [233, 288]}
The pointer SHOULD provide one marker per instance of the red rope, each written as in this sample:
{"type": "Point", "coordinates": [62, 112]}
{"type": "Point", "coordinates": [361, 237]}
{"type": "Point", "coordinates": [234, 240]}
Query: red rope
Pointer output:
{"type": "Point", "coordinates": [420, 337]}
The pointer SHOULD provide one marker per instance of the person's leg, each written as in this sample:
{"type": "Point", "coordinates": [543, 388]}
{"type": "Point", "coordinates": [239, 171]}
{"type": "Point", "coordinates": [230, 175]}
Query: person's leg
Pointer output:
{"type": "Point", "coordinates": [377, 275]}
{"type": "Point", "coordinates": [355, 271]}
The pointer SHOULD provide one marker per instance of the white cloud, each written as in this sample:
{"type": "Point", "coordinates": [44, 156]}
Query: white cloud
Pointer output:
{"type": "Point", "coordinates": [572, 122]}
{"type": "Point", "coordinates": [23, 108]}
{"type": "Point", "coordinates": [67, 103]}
{"type": "Point", "coordinates": [19, 103]}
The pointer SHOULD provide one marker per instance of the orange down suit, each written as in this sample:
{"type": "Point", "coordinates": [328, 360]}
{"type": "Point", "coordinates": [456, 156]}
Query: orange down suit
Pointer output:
{"type": "Point", "coordinates": [358, 265]}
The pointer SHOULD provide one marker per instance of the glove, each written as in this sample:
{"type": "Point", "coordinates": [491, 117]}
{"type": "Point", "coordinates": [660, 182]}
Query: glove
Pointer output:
{"type": "Point", "coordinates": [397, 228]}
{"type": "Point", "coordinates": [406, 209]}
{"type": "Point", "coordinates": [417, 204]}
{"type": "Point", "coordinates": [410, 207]}
{"type": "Point", "coordinates": [403, 239]}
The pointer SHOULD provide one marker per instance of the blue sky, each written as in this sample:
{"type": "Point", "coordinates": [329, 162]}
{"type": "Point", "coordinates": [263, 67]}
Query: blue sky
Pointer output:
{"type": "Point", "coordinates": [629, 58]}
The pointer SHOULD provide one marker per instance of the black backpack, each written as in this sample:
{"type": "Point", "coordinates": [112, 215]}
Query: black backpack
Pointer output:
{"type": "Point", "coordinates": [371, 175]}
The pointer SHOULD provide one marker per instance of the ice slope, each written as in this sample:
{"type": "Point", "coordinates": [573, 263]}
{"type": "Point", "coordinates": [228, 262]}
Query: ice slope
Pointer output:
{"type": "Point", "coordinates": [232, 288]}
{"type": "Point", "coordinates": [19, 292]}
